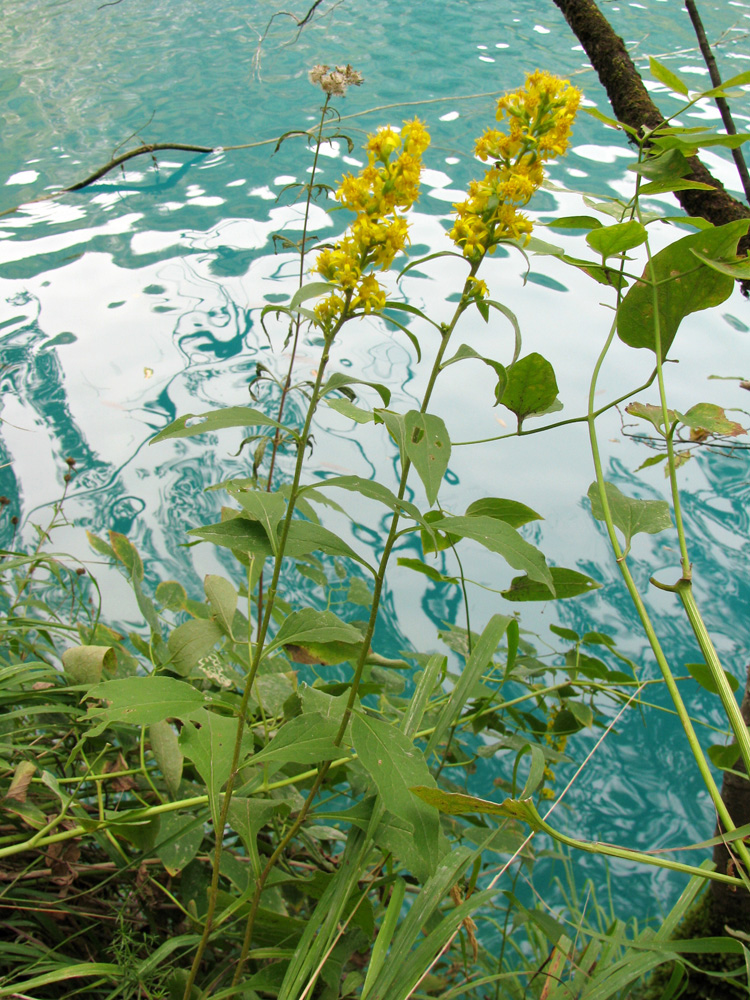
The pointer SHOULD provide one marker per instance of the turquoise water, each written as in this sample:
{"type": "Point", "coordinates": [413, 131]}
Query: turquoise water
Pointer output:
{"type": "Point", "coordinates": [138, 300]}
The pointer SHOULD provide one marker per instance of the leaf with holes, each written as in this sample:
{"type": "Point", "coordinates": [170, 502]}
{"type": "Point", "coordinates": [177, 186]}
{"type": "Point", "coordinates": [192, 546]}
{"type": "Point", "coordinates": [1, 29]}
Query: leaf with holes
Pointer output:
{"type": "Point", "coordinates": [429, 448]}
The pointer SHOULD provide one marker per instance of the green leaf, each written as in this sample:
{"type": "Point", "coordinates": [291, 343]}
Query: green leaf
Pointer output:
{"type": "Point", "coordinates": [171, 595]}
{"type": "Point", "coordinates": [306, 739]}
{"type": "Point", "coordinates": [429, 449]}
{"type": "Point", "coordinates": [180, 837]}
{"type": "Point", "coordinates": [511, 511]}
{"type": "Point", "coordinates": [581, 222]}
{"type": "Point", "coordinates": [311, 291]}
{"type": "Point", "coordinates": [724, 757]}
{"type": "Point", "coordinates": [190, 642]}
{"type": "Point", "coordinates": [84, 664]}
{"type": "Point", "coordinates": [568, 583]}
{"type": "Point", "coordinates": [429, 571]}
{"type": "Point", "coordinates": [247, 817]}
{"type": "Point", "coordinates": [531, 388]}
{"type": "Point", "coordinates": [685, 286]}
{"type": "Point", "coordinates": [166, 750]}
{"type": "Point", "coordinates": [738, 268]}
{"type": "Point", "coordinates": [338, 381]}
{"type": "Point", "coordinates": [223, 600]}
{"type": "Point", "coordinates": [142, 701]}
{"type": "Point", "coordinates": [629, 515]}
{"type": "Point", "coordinates": [267, 508]}
{"type": "Point", "coordinates": [310, 625]}
{"type": "Point", "coordinates": [395, 424]}
{"type": "Point", "coordinates": [305, 537]}
{"type": "Point", "coordinates": [708, 417]}
{"type": "Point", "coordinates": [465, 353]}
{"type": "Point", "coordinates": [667, 77]}
{"type": "Point", "coordinates": [347, 409]}
{"type": "Point", "coordinates": [239, 534]}
{"type": "Point", "coordinates": [216, 420]}
{"type": "Point", "coordinates": [497, 536]}
{"type": "Point", "coordinates": [395, 764]}
{"type": "Point", "coordinates": [669, 164]}
{"type": "Point", "coordinates": [458, 804]}
{"type": "Point", "coordinates": [208, 742]}
{"type": "Point", "coordinates": [678, 184]}
{"type": "Point", "coordinates": [371, 489]}
{"type": "Point", "coordinates": [622, 236]}
{"type": "Point", "coordinates": [740, 80]}
{"type": "Point", "coordinates": [701, 673]}
{"type": "Point", "coordinates": [690, 141]}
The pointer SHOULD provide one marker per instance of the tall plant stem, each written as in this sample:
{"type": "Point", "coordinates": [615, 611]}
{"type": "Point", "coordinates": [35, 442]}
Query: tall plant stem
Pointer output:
{"type": "Point", "coordinates": [679, 704]}
{"type": "Point", "coordinates": [447, 331]}
{"type": "Point", "coordinates": [295, 325]}
{"type": "Point", "coordinates": [684, 588]}
{"type": "Point", "coordinates": [250, 679]}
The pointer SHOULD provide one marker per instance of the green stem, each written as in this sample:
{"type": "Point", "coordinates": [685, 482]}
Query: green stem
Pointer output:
{"type": "Point", "coordinates": [366, 641]}
{"type": "Point", "coordinates": [683, 715]}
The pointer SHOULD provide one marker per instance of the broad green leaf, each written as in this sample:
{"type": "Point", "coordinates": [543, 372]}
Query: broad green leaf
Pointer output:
{"type": "Point", "coordinates": [247, 817]}
{"type": "Point", "coordinates": [311, 291]}
{"type": "Point", "coordinates": [610, 240]}
{"type": "Point", "coordinates": [306, 739]}
{"type": "Point", "coordinates": [737, 268]}
{"type": "Point", "coordinates": [668, 164]}
{"type": "Point", "coordinates": [216, 420]}
{"type": "Point", "coordinates": [171, 595]}
{"type": "Point", "coordinates": [208, 742]}
{"type": "Point", "coordinates": [223, 600]}
{"type": "Point", "coordinates": [84, 664]}
{"type": "Point", "coordinates": [166, 750]}
{"type": "Point", "coordinates": [432, 540]}
{"type": "Point", "coordinates": [395, 764]}
{"type": "Point", "coordinates": [724, 757]}
{"type": "Point", "coordinates": [429, 449]}
{"type": "Point", "coordinates": [179, 839]}
{"type": "Point", "coordinates": [305, 537]}
{"type": "Point", "coordinates": [348, 409]}
{"type": "Point", "coordinates": [311, 626]}
{"type": "Point", "coordinates": [142, 701]}
{"type": "Point", "coordinates": [339, 381]}
{"type": "Point", "coordinates": [190, 642]}
{"type": "Point", "coordinates": [701, 673]}
{"type": "Point", "coordinates": [665, 75]}
{"type": "Point", "coordinates": [531, 388]}
{"type": "Point", "coordinates": [708, 417]}
{"type": "Point", "coordinates": [685, 286]}
{"type": "Point", "coordinates": [629, 515]}
{"type": "Point", "coordinates": [266, 508]}
{"type": "Point", "coordinates": [581, 222]}
{"type": "Point", "coordinates": [239, 534]}
{"type": "Point", "coordinates": [465, 353]}
{"type": "Point", "coordinates": [512, 512]}
{"type": "Point", "coordinates": [568, 583]}
{"type": "Point", "coordinates": [497, 536]}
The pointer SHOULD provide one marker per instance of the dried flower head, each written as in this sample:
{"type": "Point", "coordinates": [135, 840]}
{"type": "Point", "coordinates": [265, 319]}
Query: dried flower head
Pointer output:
{"type": "Point", "coordinates": [335, 81]}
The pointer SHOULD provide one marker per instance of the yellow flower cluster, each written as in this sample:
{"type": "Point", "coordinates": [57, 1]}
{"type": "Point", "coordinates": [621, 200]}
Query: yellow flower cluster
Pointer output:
{"type": "Point", "coordinates": [538, 118]}
{"type": "Point", "coordinates": [389, 184]}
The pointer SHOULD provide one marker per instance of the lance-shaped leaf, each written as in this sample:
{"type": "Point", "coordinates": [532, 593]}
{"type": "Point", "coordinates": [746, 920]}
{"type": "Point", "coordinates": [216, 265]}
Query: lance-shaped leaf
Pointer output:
{"type": "Point", "coordinates": [223, 600]}
{"type": "Point", "coordinates": [368, 488]}
{"type": "Point", "coordinates": [266, 508]}
{"type": "Point", "coordinates": [142, 701]}
{"type": "Point", "coordinates": [339, 381]}
{"type": "Point", "coordinates": [305, 537]}
{"type": "Point", "coordinates": [311, 291]}
{"type": "Point", "coordinates": [240, 534]}
{"type": "Point", "coordinates": [216, 420]}
{"type": "Point", "coordinates": [395, 764]}
{"type": "Point", "coordinates": [501, 537]}
{"type": "Point", "coordinates": [665, 75]}
{"type": "Point", "coordinates": [531, 387]}
{"type": "Point", "coordinates": [209, 744]}
{"type": "Point", "coordinates": [429, 449]}
{"type": "Point", "coordinates": [629, 515]}
{"type": "Point", "coordinates": [179, 840]}
{"type": "Point", "coordinates": [306, 739]}
{"type": "Point", "coordinates": [568, 583]}
{"type": "Point", "coordinates": [309, 626]}
{"type": "Point", "coordinates": [166, 750]}
{"type": "Point", "coordinates": [458, 804]}
{"type": "Point", "coordinates": [684, 285]}
{"type": "Point", "coordinates": [610, 240]}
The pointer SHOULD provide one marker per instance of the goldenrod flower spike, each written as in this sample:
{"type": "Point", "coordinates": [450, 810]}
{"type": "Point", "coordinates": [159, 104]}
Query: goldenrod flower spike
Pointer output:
{"type": "Point", "coordinates": [387, 186]}
{"type": "Point", "coordinates": [537, 118]}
